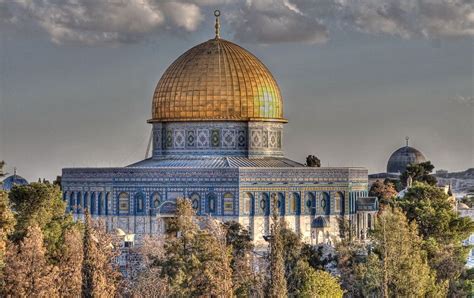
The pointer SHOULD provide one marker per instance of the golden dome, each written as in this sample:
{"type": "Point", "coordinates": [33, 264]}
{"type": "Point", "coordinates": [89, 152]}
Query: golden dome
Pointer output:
{"type": "Point", "coordinates": [217, 80]}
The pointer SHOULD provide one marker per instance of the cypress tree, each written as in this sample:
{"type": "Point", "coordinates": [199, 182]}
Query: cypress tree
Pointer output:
{"type": "Point", "coordinates": [277, 283]}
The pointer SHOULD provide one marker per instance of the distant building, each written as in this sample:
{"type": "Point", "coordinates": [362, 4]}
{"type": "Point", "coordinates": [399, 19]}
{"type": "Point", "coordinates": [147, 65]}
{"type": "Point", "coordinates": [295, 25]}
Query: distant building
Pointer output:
{"type": "Point", "coordinates": [10, 181]}
{"type": "Point", "coordinates": [398, 162]}
{"type": "Point", "coordinates": [462, 183]}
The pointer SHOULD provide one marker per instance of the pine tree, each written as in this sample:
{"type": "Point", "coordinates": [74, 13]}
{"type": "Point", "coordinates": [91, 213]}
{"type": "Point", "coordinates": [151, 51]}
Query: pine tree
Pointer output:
{"type": "Point", "coordinates": [277, 282]}
{"type": "Point", "coordinates": [196, 261]}
{"type": "Point", "coordinates": [42, 205]}
{"type": "Point", "coordinates": [7, 224]}
{"type": "Point", "coordinates": [99, 276]}
{"type": "Point", "coordinates": [70, 264]}
{"type": "Point", "coordinates": [27, 273]}
{"type": "Point", "coordinates": [246, 280]}
{"type": "Point", "coordinates": [399, 263]}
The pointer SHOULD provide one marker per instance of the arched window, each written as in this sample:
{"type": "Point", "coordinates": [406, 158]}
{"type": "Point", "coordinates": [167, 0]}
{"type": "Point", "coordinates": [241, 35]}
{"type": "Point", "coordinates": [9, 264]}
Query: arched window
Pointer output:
{"type": "Point", "coordinates": [211, 203]}
{"type": "Point", "coordinates": [100, 206]}
{"type": "Point", "coordinates": [124, 203]}
{"type": "Point", "coordinates": [228, 203]}
{"type": "Point", "coordinates": [338, 203]}
{"type": "Point", "coordinates": [79, 202]}
{"type": "Point", "coordinates": [325, 203]}
{"type": "Point", "coordinates": [72, 201]}
{"type": "Point", "coordinates": [248, 198]}
{"type": "Point", "coordinates": [294, 203]}
{"type": "Point", "coordinates": [265, 203]}
{"type": "Point", "coordinates": [107, 203]}
{"type": "Point", "coordinates": [86, 201]}
{"type": "Point", "coordinates": [281, 203]}
{"type": "Point", "coordinates": [139, 202]}
{"type": "Point", "coordinates": [195, 199]}
{"type": "Point", "coordinates": [310, 203]}
{"type": "Point", "coordinates": [92, 203]}
{"type": "Point", "coordinates": [155, 200]}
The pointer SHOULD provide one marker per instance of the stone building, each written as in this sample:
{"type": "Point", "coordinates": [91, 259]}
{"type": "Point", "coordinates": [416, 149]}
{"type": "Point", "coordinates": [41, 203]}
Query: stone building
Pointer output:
{"type": "Point", "coordinates": [217, 118]}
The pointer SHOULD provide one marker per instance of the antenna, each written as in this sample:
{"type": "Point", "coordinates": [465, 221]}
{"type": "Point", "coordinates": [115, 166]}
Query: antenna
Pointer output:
{"type": "Point", "coordinates": [406, 139]}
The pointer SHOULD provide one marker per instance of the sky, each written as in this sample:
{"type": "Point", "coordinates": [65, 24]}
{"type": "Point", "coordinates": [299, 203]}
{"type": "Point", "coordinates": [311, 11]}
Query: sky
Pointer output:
{"type": "Point", "coordinates": [357, 76]}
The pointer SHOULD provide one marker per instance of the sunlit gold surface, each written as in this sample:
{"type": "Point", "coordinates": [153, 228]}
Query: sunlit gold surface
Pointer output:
{"type": "Point", "coordinates": [217, 80]}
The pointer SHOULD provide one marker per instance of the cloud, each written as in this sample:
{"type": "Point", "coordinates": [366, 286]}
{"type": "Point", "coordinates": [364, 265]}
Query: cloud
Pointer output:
{"type": "Point", "coordinates": [274, 21]}
{"type": "Point", "coordinates": [261, 21]}
{"type": "Point", "coordinates": [467, 101]}
{"type": "Point", "coordinates": [411, 18]}
{"type": "Point", "coordinates": [100, 21]}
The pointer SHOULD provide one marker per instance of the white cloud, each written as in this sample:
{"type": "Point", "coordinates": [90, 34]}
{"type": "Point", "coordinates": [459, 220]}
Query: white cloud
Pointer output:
{"type": "Point", "coordinates": [262, 21]}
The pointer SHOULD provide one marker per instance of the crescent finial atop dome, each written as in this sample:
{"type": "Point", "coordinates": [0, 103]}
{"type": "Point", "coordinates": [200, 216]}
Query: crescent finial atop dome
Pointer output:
{"type": "Point", "coordinates": [217, 14]}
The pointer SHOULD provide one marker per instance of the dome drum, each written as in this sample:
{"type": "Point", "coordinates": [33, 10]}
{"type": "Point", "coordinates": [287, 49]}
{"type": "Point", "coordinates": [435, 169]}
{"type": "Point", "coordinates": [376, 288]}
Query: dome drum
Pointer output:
{"type": "Point", "coordinates": [230, 138]}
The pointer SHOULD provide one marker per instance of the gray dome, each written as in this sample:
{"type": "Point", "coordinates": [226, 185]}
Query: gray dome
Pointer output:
{"type": "Point", "coordinates": [398, 161]}
{"type": "Point", "coordinates": [13, 180]}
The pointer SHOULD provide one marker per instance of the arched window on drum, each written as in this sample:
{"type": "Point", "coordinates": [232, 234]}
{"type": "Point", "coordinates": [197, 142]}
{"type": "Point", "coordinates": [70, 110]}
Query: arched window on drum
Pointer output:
{"type": "Point", "coordinates": [123, 203]}
{"type": "Point", "coordinates": [325, 203]}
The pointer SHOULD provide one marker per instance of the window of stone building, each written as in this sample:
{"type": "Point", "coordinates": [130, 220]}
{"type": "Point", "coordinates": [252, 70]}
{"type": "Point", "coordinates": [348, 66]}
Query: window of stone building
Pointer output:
{"type": "Point", "coordinates": [79, 202]}
{"type": "Point", "coordinates": [228, 203]}
{"type": "Point", "coordinates": [100, 205]}
{"type": "Point", "coordinates": [211, 203]}
{"type": "Point", "coordinates": [124, 203]}
{"type": "Point", "coordinates": [139, 202]}
{"type": "Point", "coordinates": [294, 203]}
{"type": "Point", "coordinates": [325, 203]}
{"type": "Point", "coordinates": [92, 203]}
{"type": "Point", "coordinates": [71, 201]}
{"type": "Point", "coordinates": [248, 203]}
{"type": "Point", "coordinates": [195, 201]}
{"type": "Point", "coordinates": [339, 203]}
{"type": "Point", "coordinates": [155, 200]}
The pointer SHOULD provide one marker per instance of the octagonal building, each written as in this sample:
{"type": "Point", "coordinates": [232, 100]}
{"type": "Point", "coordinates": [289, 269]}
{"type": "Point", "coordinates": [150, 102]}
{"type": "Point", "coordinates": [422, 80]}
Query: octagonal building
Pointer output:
{"type": "Point", "coordinates": [217, 117]}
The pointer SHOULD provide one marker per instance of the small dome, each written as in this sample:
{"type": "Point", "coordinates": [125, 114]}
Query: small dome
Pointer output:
{"type": "Point", "coordinates": [217, 81]}
{"type": "Point", "coordinates": [13, 180]}
{"type": "Point", "coordinates": [399, 160]}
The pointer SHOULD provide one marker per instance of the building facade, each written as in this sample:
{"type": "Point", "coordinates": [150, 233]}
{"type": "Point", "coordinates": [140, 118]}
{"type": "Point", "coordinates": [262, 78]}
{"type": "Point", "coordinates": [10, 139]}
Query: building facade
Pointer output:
{"type": "Point", "coordinates": [217, 117]}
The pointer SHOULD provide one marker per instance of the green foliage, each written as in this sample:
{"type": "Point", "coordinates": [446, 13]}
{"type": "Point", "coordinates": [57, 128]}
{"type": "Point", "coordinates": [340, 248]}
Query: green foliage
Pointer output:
{"type": "Point", "coordinates": [316, 283]}
{"type": "Point", "coordinates": [434, 214]}
{"type": "Point", "coordinates": [442, 229]}
{"type": "Point", "coordinates": [7, 224]}
{"type": "Point", "coordinates": [385, 191]}
{"type": "Point", "coordinates": [196, 262]}
{"type": "Point", "coordinates": [41, 204]}
{"type": "Point", "coordinates": [244, 278]}
{"type": "Point", "coordinates": [419, 172]}
{"type": "Point", "coordinates": [398, 265]}
{"type": "Point", "coordinates": [277, 283]}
